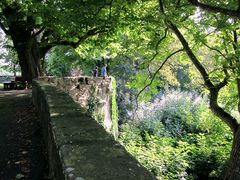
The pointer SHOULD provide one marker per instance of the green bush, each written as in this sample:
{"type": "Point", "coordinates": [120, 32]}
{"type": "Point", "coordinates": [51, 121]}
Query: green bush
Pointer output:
{"type": "Point", "coordinates": [179, 138]}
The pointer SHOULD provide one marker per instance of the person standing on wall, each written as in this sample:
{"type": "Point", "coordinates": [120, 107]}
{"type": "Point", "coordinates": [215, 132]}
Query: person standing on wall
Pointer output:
{"type": "Point", "coordinates": [95, 72]}
{"type": "Point", "coordinates": [104, 71]}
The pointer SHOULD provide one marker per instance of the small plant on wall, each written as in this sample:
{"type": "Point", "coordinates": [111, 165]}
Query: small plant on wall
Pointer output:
{"type": "Point", "coordinates": [93, 102]}
{"type": "Point", "coordinates": [93, 105]}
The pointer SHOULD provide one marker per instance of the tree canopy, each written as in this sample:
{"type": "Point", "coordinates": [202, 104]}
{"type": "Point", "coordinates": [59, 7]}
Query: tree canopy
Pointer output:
{"type": "Point", "coordinates": [36, 26]}
{"type": "Point", "coordinates": [149, 33]}
{"type": "Point", "coordinates": [160, 30]}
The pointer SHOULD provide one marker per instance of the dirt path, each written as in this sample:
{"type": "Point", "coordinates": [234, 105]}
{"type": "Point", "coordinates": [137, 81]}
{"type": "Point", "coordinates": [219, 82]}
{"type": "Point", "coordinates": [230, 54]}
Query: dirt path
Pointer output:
{"type": "Point", "coordinates": [21, 146]}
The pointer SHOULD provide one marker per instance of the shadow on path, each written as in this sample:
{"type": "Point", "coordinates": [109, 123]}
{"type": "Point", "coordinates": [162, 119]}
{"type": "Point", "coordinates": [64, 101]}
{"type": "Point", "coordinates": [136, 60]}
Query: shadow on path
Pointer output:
{"type": "Point", "coordinates": [21, 147]}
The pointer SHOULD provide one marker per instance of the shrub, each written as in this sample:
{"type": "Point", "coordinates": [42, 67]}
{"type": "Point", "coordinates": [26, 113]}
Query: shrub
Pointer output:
{"type": "Point", "coordinates": [177, 137]}
{"type": "Point", "coordinates": [179, 112]}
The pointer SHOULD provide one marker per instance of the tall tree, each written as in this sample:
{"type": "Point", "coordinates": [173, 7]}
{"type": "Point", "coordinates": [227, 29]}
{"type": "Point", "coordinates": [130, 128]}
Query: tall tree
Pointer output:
{"type": "Point", "coordinates": [35, 26]}
{"type": "Point", "coordinates": [225, 59]}
{"type": "Point", "coordinates": [202, 34]}
{"type": "Point", "coordinates": [196, 30]}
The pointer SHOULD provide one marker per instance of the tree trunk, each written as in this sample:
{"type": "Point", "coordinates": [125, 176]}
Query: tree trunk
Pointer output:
{"type": "Point", "coordinates": [28, 51]}
{"type": "Point", "coordinates": [29, 59]}
{"type": "Point", "coordinates": [233, 172]}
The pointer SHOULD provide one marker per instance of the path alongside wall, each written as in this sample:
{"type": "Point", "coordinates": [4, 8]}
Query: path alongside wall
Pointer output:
{"type": "Point", "coordinates": [78, 147]}
{"type": "Point", "coordinates": [21, 148]}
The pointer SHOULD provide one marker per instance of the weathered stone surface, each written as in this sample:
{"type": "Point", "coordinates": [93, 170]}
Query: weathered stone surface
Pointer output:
{"type": "Point", "coordinates": [78, 147]}
{"type": "Point", "coordinates": [83, 88]}
{"type": "Point", "coordinates": [102, 161]}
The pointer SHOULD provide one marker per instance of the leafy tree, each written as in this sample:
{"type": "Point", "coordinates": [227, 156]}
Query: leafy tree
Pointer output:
{"type": "Point", "coordinates": [61, 60]}
{"type": "Point", "coordinates": [166, 27]}
{"type": "Point", "coordinates": [209, 41]}
{"type": "Point", "coordinates": [35, 26]}
{"type": "Point", "coordinates": [217, 34]}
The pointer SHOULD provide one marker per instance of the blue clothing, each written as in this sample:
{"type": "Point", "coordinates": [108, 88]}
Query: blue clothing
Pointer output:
{"type": "Point", "coordinates": [104, 72]}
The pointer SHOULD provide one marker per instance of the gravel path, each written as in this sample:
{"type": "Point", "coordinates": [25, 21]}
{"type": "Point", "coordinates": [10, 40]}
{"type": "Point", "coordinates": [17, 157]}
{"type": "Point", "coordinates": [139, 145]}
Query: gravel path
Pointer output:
{"type": "Point", "coordinates": [21, 147]}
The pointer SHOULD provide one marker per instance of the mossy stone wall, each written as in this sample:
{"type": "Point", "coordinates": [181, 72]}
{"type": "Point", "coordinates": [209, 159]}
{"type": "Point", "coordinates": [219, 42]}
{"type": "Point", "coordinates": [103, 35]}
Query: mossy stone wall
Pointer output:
{"type": "Point", "coordinates": [93, 94]}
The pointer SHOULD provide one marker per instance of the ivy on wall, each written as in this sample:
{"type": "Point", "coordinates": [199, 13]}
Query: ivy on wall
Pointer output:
{"type": "Point", "coordinates": [94, 102]}
{"type": "Point", "coordinates": [114, 108]}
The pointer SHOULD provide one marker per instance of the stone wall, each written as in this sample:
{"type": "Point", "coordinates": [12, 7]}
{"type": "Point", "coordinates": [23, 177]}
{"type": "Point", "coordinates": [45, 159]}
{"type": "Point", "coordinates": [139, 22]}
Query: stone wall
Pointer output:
{"type": "Point", "coordinates": [93, 94]}
{"type": "Point", "coordinates": [78, 147]}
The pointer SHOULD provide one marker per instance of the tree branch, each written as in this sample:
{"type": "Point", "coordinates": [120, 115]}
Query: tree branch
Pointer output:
{"type": "Point", "coordinates": [213, 90]}
{"type": "Point", "coordinates": [214, 9]}
{"type": "Point", "coordinates": [214, 49]}
{"type": "Point", "coordinates": [225, 80]}
{"type": "Point", "coordinates": [156, 50]}
{"type": "Point", "coordinates": [236, 50]}
{"type": "Point", "coordinates": [161, 6]}
{"type": "Point", "coordinates": [220, 112]}
{"type": "Point", "coordinates": [154, 75]}
{"type": "Point", "coordinates": [39, 32]}
{"type": "Point", "coordinates": [193, 58]}
{"type": "Point", "coordinates": [238, 89]}
{"type": "Point", "coordinates": [90, 33]}
{"type": "Point", "coordinates": [235, 44]}
{"type": "Point", "coordinates": [110, 9]}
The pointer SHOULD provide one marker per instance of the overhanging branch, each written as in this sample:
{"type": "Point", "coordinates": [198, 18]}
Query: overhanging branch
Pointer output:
{"type": "Point", "coordinates": [90, 33]}
{"type": "Point", "coordinates": [213, 89]}
{"type": "Point", "coordinates": [225, 80]}
{"type": "Point", "coordinates": [192, 56]}
{"type": "Point", "coordinates": [214, 49]}
{"type": "Point", "coordinates": [154, 75]}
{"type": "Point", "coordinates": [214, 9]}
{"type": "Point", "coordinates": [156, 50]}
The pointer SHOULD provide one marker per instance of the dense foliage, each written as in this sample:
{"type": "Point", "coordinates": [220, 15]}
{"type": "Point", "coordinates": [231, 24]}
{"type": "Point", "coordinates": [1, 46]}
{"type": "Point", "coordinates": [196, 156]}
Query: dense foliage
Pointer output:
{"type": "Point", "coordinates": [177, 137]}
{"type": "Point", "coordinates": [154, 44]}
{"type": "Point", "coordinates": [36, 26]}
{"type": "Point", "coordinates": [61, 60]}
